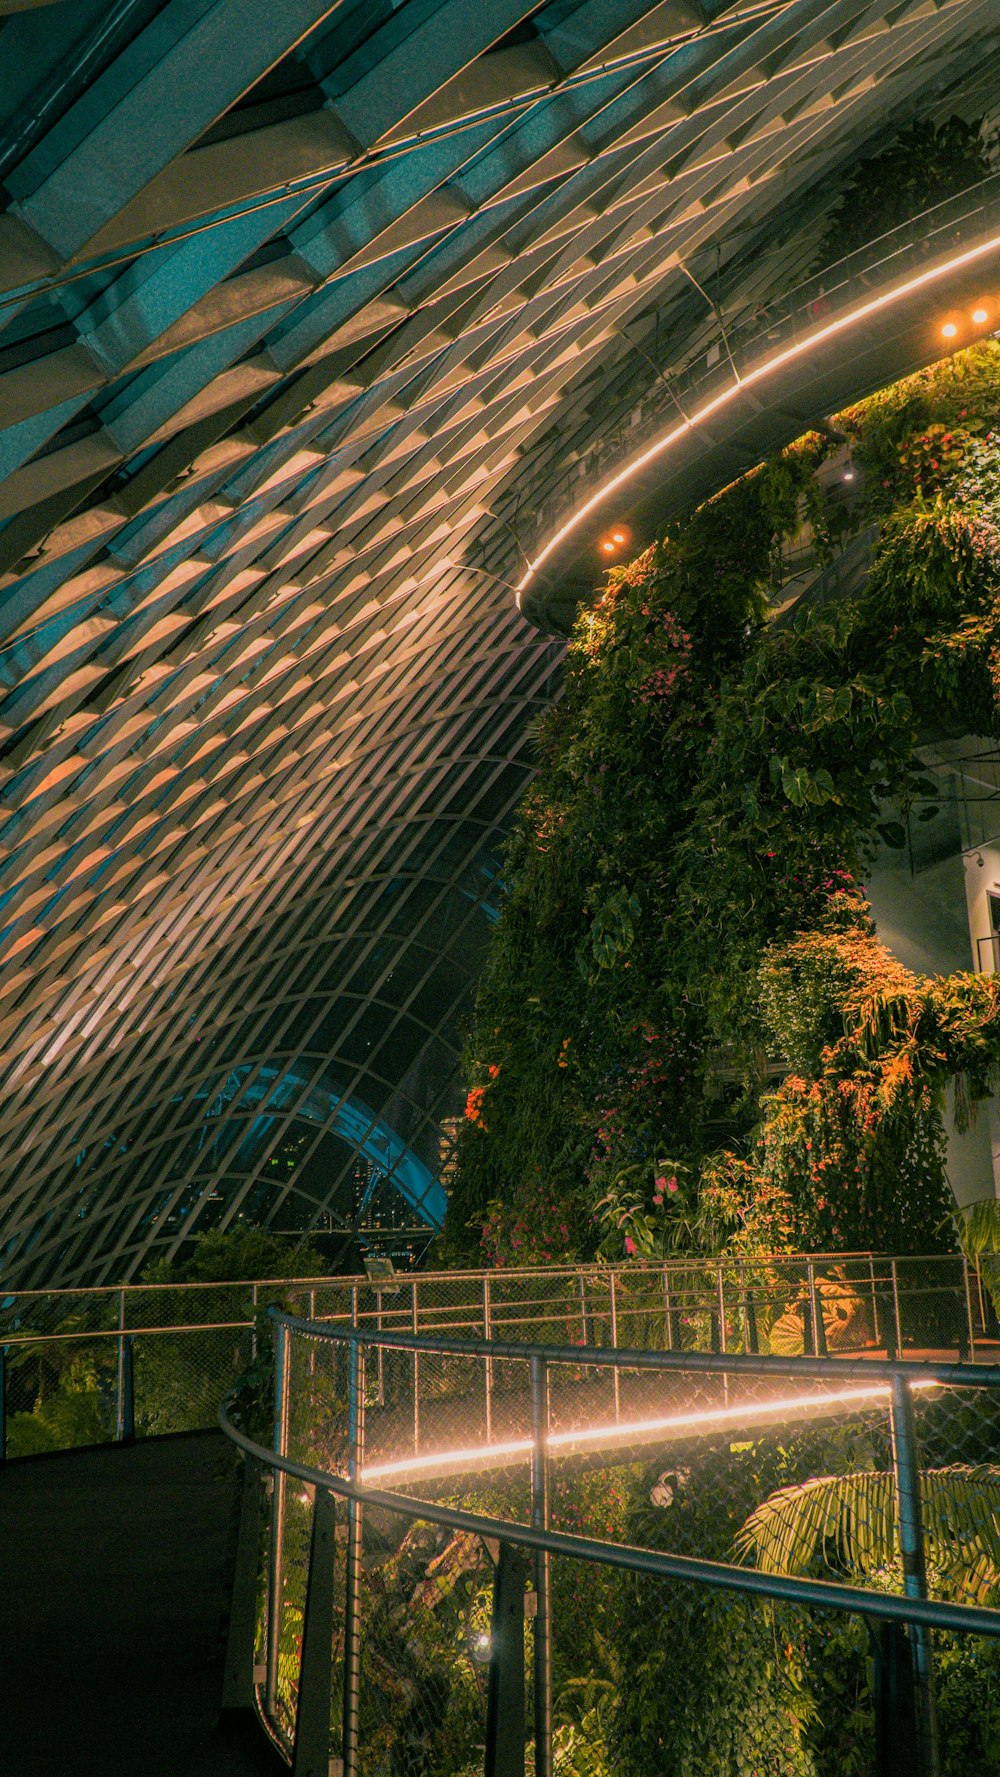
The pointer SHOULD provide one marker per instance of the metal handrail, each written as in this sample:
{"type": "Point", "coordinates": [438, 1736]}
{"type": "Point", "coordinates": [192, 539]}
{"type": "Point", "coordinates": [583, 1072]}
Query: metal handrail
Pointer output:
{"type": "Point", "coordinates": [935, 1613]}
{"type": "Point", "coordinates": [628, 1358]}
{"type": "Point", "coordinates": [729, 356]}
{"type": "Point", "coordinates": [533, 1303]}
{"type": "Point", "coordinates": [596, 1267]}
{"type": "Point", "coordinates": [207, 1326]}
{"type": "Point", "coordinates": [913, 1607]}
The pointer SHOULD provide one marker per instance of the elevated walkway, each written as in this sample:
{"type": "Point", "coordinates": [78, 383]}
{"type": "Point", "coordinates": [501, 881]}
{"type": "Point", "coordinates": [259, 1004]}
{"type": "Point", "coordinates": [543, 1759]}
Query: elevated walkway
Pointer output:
{"type": "Point", "coordinates": [117, 1568]}
{"type": "Point", "coordinates": [123, 1565]}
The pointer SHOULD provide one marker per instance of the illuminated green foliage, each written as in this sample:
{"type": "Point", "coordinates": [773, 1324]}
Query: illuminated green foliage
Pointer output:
{"type": "Point", "coordinates": [684, 916]}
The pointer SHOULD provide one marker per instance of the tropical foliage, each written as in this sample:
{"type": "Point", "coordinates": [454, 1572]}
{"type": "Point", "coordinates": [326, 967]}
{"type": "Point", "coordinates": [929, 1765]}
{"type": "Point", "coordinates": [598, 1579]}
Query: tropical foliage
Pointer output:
{"type": "Point", "coordinates": [735, 1685]}
{"type": "Point", "coordinates": [689, 1035]}
{"type": "Point", "coordinates": [848, 1522]}
{"type": "Point", "coordinates": [62, 1391]}
{"type": "Point", "coordinates": [924, 165]}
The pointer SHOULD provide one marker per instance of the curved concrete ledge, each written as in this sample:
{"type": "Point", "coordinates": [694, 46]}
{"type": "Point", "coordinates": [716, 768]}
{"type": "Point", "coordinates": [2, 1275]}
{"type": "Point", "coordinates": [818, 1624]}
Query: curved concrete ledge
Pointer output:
{"type": "Point", "coordinates": [755, 411]}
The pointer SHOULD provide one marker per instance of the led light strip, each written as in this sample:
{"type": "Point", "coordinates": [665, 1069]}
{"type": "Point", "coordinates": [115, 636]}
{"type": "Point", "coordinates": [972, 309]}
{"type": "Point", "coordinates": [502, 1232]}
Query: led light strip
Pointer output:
{"type": "Point", "coordinates": [874, 306]}
{"type": "Point", "coordinates": [597, 1437]}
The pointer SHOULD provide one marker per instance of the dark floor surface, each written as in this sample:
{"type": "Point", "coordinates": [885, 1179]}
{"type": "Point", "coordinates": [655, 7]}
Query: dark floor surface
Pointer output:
{"type": "Point", "coordinates": [115, 1568]}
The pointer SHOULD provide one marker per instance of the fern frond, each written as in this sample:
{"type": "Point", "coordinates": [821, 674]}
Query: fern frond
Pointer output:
{"type": "Point", "coordinates": [849, 1521]}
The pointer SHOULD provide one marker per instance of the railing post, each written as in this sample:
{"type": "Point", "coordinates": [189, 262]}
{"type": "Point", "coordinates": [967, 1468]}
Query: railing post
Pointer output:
{"type": "Point", "coordinates": [275, 1563]}
{"type": "Point", "coordinates": [352, 1590]}
{"type": "Point", "coordinates": [614, 1341]}
{"type": "Point", "coordinates": [540, 1521]}
{"type": "Point", "coordinates": [253, 1316]}
{"type": "Point", "coordinates": [720, 1301]}
{"type": "Point", "coordinates": [241, 1641]}
{"type": "Point", "coordinates": [488, 1334]}
{"type": "Point", "coordinates": [668, 1309]}
{"type": "Point", "coordinates": [415, 1323]}
{"type": "Point", "coordinates": [311, 1753]}
{"type": "Point", "coordinates": [3, 1404]}
{"type": "Point", "coordinates": [886, 1319]}
{"type": "Point", "coordinates": [909, 1527]}
{"type": "Point", "coordinates": [895, 1308]}
{"type": "Point", "coordinates": [505, 1735]}
{"type": "Point", "coordinates": [125, 1412]}
{"type": "Point", "coordinates": [968, 1310]}
{"type": "Point", "coordinates": [895, 1724]}
{"type": "Point", "coordinates": [816, 1310]}
{"type": "Point", "coordinates": [749, 1313]}
{"type": "Point", "coordinates": [714, 1338]}
{"type": "Point", "coordinates": [120, 1384]}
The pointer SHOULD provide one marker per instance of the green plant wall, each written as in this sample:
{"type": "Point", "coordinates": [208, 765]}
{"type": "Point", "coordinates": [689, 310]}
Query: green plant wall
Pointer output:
{"type": "Point", "coordinates": [688, 1034]}
{"type": "Point", "coordinates": [925, 164]}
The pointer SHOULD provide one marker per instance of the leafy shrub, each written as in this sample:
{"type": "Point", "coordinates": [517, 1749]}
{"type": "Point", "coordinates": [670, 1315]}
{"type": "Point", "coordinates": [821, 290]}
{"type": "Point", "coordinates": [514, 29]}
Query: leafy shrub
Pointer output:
{"type": "Point", "coordinates": [684, 914]}
{"type": "Point", "coordinates": [924, 165]}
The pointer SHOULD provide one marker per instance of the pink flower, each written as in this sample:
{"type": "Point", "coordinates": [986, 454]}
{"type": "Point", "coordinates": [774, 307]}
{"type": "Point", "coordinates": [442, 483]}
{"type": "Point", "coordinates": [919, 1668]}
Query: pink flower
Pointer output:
{"type": "Point", "coordinates": [657, 1196]}
{"type": "Point", "coordinates": [661, 1184]}
{"type": "Point", "coordinates": [672, 1184]}
{"type": "Point", "coordinates": [630, 1246]}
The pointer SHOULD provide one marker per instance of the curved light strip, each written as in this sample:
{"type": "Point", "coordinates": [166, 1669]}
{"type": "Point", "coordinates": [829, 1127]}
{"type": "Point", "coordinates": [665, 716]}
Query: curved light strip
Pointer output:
{"type": "Point", "coordinates": [605, 1437]}
{"type": "Point", "coordinates": [748, 381]}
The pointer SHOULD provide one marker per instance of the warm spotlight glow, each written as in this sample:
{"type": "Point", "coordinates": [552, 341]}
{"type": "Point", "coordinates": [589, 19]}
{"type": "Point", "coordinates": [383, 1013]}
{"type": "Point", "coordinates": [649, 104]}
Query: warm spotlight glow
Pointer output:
{"type": "Point", "coordinates": [980, 316]}
{"type": "Point", "coordinates": [618, 537]}
{"type": "Point", "coordinates": [759, 373]}
{"type": "Point", "coordinates": [608, 547]}
{"type": "Point", "coordinates": [949, 330]}
{"type": "Point", "coordinates": [600, 1437]}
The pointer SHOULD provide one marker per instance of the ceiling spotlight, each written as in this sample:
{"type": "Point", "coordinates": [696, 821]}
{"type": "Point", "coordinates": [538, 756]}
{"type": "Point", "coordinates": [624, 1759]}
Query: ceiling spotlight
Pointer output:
{"type": "Point", "coordinates": [949, 330]}
{"type": "Point", "coordinates": [618, 536]}
{"type": "Point", "coordinates": [979, 316]}
{"type": "Point", "coordinates": [608, 547]}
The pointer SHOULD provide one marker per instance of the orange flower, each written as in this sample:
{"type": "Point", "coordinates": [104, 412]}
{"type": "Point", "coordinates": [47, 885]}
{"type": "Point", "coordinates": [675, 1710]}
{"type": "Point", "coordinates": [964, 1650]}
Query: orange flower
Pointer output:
{"type": "Point", "coordinates": [474, 1104]}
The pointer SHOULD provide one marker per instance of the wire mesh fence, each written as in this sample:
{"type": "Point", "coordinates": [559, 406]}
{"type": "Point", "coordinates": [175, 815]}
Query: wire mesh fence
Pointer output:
{"type": "Point", "coordinates": [68, 1353]}
{"type": "Point", "coordinates": [89, 1366]}
{"type": "Point", "coordinates": [879, 1480]}
{"type": "Point", "coordinates": [739, 1413]}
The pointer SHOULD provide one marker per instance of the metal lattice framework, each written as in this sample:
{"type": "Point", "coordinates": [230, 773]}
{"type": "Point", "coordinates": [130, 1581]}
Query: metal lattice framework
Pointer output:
{"type": "Point", "coordinates": [302, 307]}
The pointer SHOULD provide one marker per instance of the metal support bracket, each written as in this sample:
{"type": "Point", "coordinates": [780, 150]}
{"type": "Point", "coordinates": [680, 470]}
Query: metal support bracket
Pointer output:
{"type": "Point", "coordinates": [311, 1754]}
{"type": "Point", "coordinates": [505, 1735]}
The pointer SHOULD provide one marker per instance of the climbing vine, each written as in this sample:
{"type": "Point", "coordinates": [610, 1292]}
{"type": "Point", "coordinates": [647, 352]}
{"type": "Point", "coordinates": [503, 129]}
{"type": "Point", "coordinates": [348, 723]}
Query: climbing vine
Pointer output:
{"type": "Point", "coordinates": [685, 983]}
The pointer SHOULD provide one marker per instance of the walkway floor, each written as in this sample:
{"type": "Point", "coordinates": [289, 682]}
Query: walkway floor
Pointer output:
{"type": "Point", "coordinates": [116, 1565]}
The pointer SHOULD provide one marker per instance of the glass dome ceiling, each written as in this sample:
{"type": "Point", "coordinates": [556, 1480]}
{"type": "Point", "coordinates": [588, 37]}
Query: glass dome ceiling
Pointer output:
{"type": "Point", "coordinates": [304, 311]}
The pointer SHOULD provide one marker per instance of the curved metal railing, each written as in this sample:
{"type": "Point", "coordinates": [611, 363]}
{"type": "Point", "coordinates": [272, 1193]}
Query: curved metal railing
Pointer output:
{"type": "Point", "coordinates": [158, 1357]}
{"type": "Point", "coordinates": [381, 1429]}
{"type": "Point", "coordinates": [734, 343]}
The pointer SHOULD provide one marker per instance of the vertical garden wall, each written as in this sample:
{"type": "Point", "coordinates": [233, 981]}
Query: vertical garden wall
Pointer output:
{"type": "Point", "coordinates": [689, 1035]}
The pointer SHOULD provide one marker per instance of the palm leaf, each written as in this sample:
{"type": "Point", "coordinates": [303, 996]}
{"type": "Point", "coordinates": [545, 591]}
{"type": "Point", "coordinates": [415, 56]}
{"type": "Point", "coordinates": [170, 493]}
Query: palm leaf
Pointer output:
{"type": "Point", "coordinates": [849, 1522]}
{"type": "Point", "coordinates": [979, 1226]}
